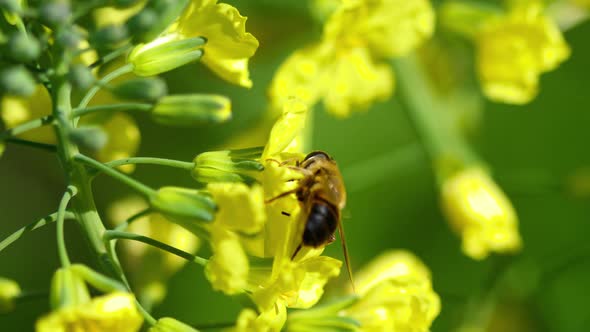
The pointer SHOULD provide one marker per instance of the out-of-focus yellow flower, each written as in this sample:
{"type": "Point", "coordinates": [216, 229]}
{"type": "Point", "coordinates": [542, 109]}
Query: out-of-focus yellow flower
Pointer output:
{"type": "Point", "coordinates": [356, 36]}
{"type": "Point", "coordinates": [9, 290]}
{"type": "Point", "coordinates": [123, 139]}
{"type": "Point", "coordinates": [140, 258]}
{"type": "Point", "coordinates": [391, 28]}
{"type": "Point", "coordinates": [480, 212]}
{"type": "Point", "coordinates": [115, 16]}
{"type": "Point", "coordinates": [513, 50]}
{"type": "Point", "coordinates": [228, 47]}
{"type": "Point", "coordinates": [113, 312]}
{"type": "Point", "coordinates": [267, 321]}
{"type": "Point", "coordinates": [396, 295]}
{"type": "Point", "coordinates": [18, 110]}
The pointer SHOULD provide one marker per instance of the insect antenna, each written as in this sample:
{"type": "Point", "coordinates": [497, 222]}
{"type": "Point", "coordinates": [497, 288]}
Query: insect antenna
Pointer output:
{"type": "Point", "coordinates": [296, 251]}
{"type": "Point", "coordinates": [346, 256]}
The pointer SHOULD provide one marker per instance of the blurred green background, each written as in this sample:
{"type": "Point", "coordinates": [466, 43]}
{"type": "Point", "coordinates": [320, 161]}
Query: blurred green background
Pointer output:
{"type": "Point", "coordinates": [393, 203]}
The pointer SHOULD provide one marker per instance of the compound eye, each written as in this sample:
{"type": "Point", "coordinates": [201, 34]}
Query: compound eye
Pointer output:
{"type": "Point", "coordinates": [317, 155]}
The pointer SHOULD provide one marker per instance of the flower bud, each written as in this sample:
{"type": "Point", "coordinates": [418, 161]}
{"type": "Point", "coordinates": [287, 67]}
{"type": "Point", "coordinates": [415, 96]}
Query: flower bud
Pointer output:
{"type": "Point", "coordinates": [480, 212]}
{"type": "Point", "coordinates": [192, 110]}
{"type": "Point", "coordinates": [91, 138]}
{"type": "Point", "coordinates": [9, 290]}
{"type": "Point", "coordinates": [81, 76]}
{"type": "Point", "coordinates": [17, 81]}
{"type": "Point", "coordinates": [54, 13]}
{"type": "Point", "coordinates": [168, 324]}
{"type": "Point", "coordinates": [145, 89]}
{"type": "Point", "coordinates": [23, 48]}
{"type": "Point", "coordinates": [109, 36]}
{"type": "Point", "coordinates": [166, 11]}
{"type": "Point", "coordinates": [228, 166]}
{"type": "Point", "coordinates": [182, 204]}
{"type": "Point", "coordinates": [141, 22]}
{"type": "Point", "coordinates": [165, 54]}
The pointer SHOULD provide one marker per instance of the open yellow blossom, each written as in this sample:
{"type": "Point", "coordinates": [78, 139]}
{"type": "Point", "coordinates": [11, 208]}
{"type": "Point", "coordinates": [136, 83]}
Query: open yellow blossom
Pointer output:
{"type": "Point", "coordinates": [229, 47]}
{"type": "Point", "coordinates": [513, 50]}
{"type": "Point", "coordinates": [9, 290]}
{"type": "Point", "coordinates": [480, 212]}
{"type": "Point", "coordinates": [253, 242]}
{"type": "Point", "coordinates": [357, 36]}
{"type": "Point", "coordinates": [113, 312]}
{"type": "Point", "coordinates": [396, 294]}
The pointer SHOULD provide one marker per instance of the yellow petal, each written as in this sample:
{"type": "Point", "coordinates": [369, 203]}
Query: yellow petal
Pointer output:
{"type": "Point", "coordinates": [240, 208]}
{"type": "Point", "coordinates": [115, 312]}
{"type": "Point", "coordinates": [353, 80]}
{"type": "Point", "coordinates": [287, 129]}
{"type": "Point", "coordinates": [229, 46]}
{"type": "Point", "coordinates": [271, 320]}
{"type": "Point", "coordinates": [478, 210]}
{"type": "Point", "coordinates": [390, 27]}
{"type": "Point", "coordinates": [227, 269]}
{"type": "Point", "coordinates": [513, 51]}
{"type": "Point", "coordinates": [9, 290]}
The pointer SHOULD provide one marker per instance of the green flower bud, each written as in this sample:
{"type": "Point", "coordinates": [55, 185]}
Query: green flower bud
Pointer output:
{"type": "Point", "coordinates": [146, 89]}
{"type": "Point", "coordinates": [54, 13]}
{"type": "Point", "coordinates": [92, 138]}
{"type": "Point", "coordinates": [228, 166]}
{"type": "Point", "coordinates": [191, 110]}
{"type": "Point", "coordinates": [109, 36]}
{"type": "Point", "coordinates": [140, 23]}
{"type": "Point", "coordinates": [165, 54]}
{"type": "Point", "coordinates": [9, 290]}
{"type": "Point", "coordinates": [183, 205]}
{"type": "Point", "coordinates": [166, 12]}
{"type": "Point", "coordinates": [17, 81]}
{"type": "Point", "coordinates": [69, 38]}
{"type": "Point", "coordinates": [23, 48]}
{"type": "Point", "coordinates": [168, 324]}
{"type": "Point", "coordinates": [81, 76]}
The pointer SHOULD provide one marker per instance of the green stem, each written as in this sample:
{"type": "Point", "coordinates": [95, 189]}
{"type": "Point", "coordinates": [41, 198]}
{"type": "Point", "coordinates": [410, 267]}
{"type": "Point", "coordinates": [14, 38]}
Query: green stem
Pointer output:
{"type": "Point", "coordinates": [134, 184]}
{"type": "Point", "coordinates": [444, 145]}
{"type": "Point", "coordinates": [28, 296]}
{"type": "Point", "coordinates": [364, 174]}
{"type": "Point", "coordinates": [140, 107]}
{"type": "Point", "coordinates": [33, 124]}
{"type": "Point", "coordinates": [31, 227]}
{"type": "Point", "coordinates": [61, 243]}
{"type": "Point", "coordinates": [111, 56]}
{"type": "Point", "coordinates": [152, 161]}
{"type": "Point", "coordinates": [36, 145]}
{"type": "Point", "coordinates": [113, 235]}
{"type": "Point", "coordinates": [123, 226]}
{"type": "Point", "coordinates": [100, 83]}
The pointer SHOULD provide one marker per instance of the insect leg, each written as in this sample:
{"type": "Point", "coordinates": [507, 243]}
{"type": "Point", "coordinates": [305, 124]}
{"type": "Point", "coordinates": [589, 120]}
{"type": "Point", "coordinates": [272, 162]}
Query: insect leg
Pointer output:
{"type": "Point", "coordinates": [346, 256]}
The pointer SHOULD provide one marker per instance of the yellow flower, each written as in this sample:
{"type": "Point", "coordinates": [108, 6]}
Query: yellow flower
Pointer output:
{"type": "Point", "coordinates": [228, 47]}
{"type": "Point", "coordinates": [113, 312]}
{"type": "Point", "coordinates": [391, 28]}
{"type": "Point", "coordinates": [480, 212]}
{"type": "Point", "coordinates": [9, 290]}
{"type": "Point", "coordinates": [342, 78]}
{"type": "Point", "coordinates": [344, 69]}
{"type": "Point", "coordinates": [105, 16]}
{"type": "Point", "coordinates": [513, 50]}
{"type": "Point", "coordinates": [123, 138]}
{"type": "Point", "coordinates": [396, 294]}
{"type": "Point", "coordinates": [268, 321]}
{"type": "Point", "coordinates": [246, 226]}
{"type": "Point", "coordinates": [18, 110]}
